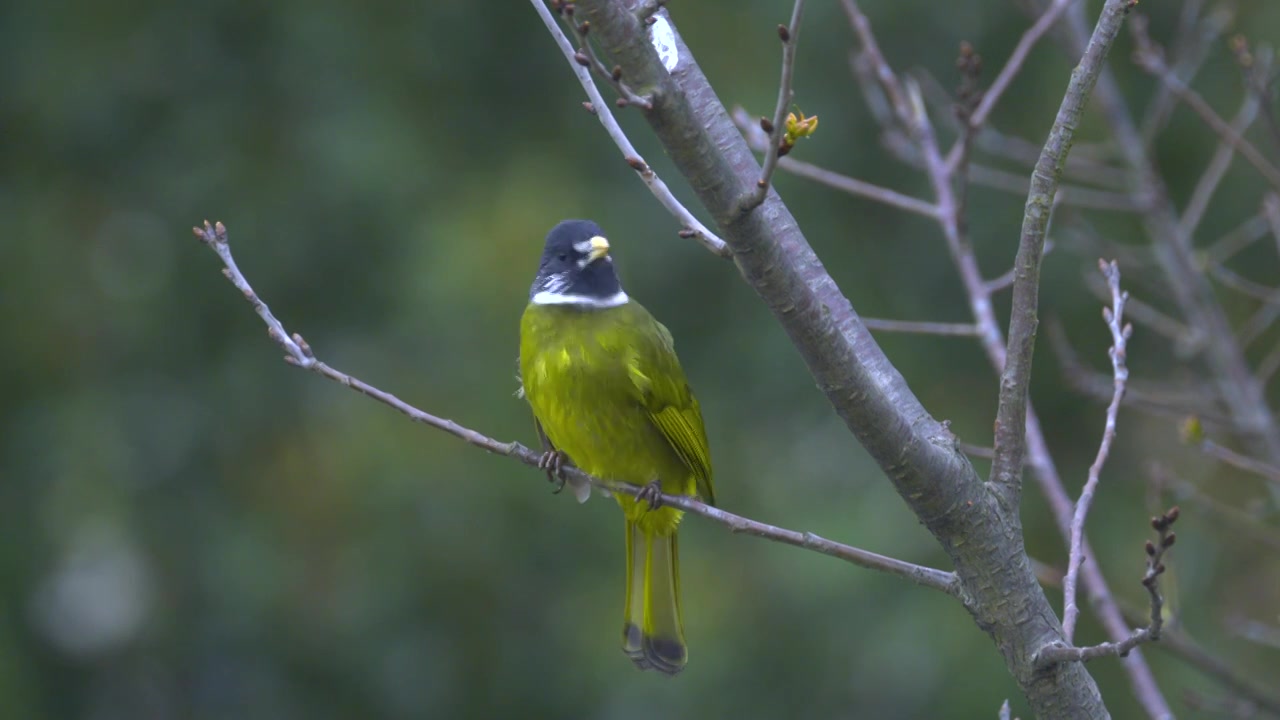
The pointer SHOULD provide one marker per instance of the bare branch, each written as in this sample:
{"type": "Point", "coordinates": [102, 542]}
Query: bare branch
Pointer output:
{"type": "Point", "coordinates": [299, 354]}
{"type": "Point", "coordinates": [1006, 75]}
{"type": "Point", "coordinates": [587, 57]}
{"type": "Point", "coordinates": [1216, 170]}
{"type": "Point", "coordinates": [922, 328]}
{"type": "Point", "coordinates": [758, 139]}
{"type": "Point", "coordinates": [1150, 58]}
{"type": "Point", "coordinates": [1239, 461]}
{"type": "Point", "coordinates": [790, 36]}
{"type": "Point", "coordinates": [1120, 332]}
{"type": "Point", "coordinates": [1235, 240]}
{"type": "Point", "coordinates": [1011, 414]}
{"type": "Point", "coordinates": [1058, 653]}
{"type": "Point", "coordinates": [692, 226]}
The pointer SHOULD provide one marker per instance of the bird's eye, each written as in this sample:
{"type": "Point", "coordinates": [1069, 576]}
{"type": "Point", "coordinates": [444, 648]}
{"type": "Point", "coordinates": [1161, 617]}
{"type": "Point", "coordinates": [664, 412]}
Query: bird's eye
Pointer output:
{"type": "Point", "coordinates": [564, 257]}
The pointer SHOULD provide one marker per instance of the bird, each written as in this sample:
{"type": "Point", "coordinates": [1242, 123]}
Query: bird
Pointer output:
{"type": "Point", "coordinates": [610, 398]}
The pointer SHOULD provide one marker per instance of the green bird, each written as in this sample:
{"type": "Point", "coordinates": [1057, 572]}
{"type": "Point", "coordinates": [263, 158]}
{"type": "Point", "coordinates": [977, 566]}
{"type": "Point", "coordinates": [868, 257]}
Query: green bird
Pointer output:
{"type": "Point", "coordinates": [608, 394]}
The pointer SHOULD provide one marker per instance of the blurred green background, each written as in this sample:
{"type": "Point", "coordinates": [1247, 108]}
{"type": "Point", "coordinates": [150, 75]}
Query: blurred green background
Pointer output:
{"type": "Point", "coordinates": [189, 528]}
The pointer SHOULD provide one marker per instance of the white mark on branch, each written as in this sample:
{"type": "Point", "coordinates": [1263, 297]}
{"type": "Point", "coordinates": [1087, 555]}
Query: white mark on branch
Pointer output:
{"type": "Point", "coordinates": [664, 41]}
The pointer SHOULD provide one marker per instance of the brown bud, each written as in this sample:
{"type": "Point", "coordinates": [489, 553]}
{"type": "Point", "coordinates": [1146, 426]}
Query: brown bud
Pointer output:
{"type": "Point", "coordinates": [1158, 523]}
{"type": "Point", "coordinates": [585, 27]}
{"type": "Point", "coordinates": [784, 34]}
{"type": "Point", "coordinates": [1160, 569]}
{"type": "Point", "coordinates": [621, 102]}
{"type": "Point", "coordinates": [686, 233]}
{"type": "Point", "coordinates": [1151, 549]}
{"type": "Point", "coordinates": [568, 9]}
{"type": "Point", "coordinates": [637, 164]}
{"type": "Point", "coordinates": [589, 107]}
{"type": "Point", "coordinates": [784, 148]}
{"type": "Point", "coordinates": [582, 59]}
{"type": "Point", "coordinates": [617, 73]}
{"type": "Point", "coordinates": [1169, 540]}
{"type": "Point", "coordinates": [1172, 514]}
{"type": "Point", "coordinates": [766, 124]}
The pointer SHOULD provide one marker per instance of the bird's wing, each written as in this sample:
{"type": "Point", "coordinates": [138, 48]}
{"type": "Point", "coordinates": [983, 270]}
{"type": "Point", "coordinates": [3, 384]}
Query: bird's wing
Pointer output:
{"type": "Point", "coordinates": [662, 389]}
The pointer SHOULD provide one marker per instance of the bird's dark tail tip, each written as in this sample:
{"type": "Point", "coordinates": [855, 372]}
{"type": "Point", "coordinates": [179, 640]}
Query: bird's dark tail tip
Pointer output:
{"type": "Point", "coordinates": [649, 652]}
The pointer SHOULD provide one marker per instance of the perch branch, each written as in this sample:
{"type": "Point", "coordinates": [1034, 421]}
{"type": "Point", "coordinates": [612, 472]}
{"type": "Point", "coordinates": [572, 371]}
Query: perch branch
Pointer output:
{"type": "Point", "coordinates": [300, 354]}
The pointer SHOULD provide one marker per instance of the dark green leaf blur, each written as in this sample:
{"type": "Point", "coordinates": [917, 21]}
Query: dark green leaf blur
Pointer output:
{"type": "Point", "coordinates": [190, 528]}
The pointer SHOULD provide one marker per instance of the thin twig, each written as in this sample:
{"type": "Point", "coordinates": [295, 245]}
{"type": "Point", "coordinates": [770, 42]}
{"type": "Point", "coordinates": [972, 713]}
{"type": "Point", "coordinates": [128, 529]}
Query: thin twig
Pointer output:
{"type": "Point", "coordinates": [1007, 73]}
{"type": "Point", "coordinates": [1216, 170]}
{"type": "Point", "coordinates": [1177, 642]}
{"type": "Point", "coordinates": [790, 36]}
{"type": "Point", "coordinates": [587, 57]}
{"type": "Point", "coordinates": [1239, 461]}
{"type": "Point", "coordinates": [1234, 241]}
{"type": "Point", "coordinates": [922, 328]}
{"type": "Point", "coordinates": [758, 139]}
{"type": "Point", "coordinates": [1150, 58]}
{"type": "Point", "coordinates": [1271, 210]}
{"type": "Point", "coordinates": [1058, 652]}
{"type": "Point", "coordinates": [300, 354]}
{"type": "Point", "coordinates": [1075, 195]}
{"type": "Point", "coordinates": [1120, 332]}
{"type": "Point", "coordinates": [692, 227]}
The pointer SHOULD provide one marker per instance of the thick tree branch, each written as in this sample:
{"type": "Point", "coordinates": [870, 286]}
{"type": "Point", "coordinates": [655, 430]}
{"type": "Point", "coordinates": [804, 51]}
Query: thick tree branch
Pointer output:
{"type": "Point", "coordinates": [1011, 415]}
{"type": "Point", "coordinates": [299, 354]}
{"type": "Point", "coordinates": [692, 227]}
{"type": "Point", "coordinates": [915, 451]}
{"type": "Point", "coordinates": [888, 99]}
{"type": "Point", "coordinates": [1120, 332]}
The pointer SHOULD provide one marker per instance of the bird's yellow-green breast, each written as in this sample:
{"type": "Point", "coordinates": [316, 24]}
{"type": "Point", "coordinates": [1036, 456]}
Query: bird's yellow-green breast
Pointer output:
{"type": "Point", "coordinates": [607, 389]}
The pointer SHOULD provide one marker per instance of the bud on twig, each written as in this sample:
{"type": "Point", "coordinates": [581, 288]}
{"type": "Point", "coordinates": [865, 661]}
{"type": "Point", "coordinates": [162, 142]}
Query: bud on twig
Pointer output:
{"type": "Point", "coordinates": [784, 34]}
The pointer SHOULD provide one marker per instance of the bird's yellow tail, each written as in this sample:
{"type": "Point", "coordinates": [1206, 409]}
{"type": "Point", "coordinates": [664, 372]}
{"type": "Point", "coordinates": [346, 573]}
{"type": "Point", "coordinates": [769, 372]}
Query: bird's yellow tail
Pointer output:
{"type": "Point", "coordinates": [652, 633]}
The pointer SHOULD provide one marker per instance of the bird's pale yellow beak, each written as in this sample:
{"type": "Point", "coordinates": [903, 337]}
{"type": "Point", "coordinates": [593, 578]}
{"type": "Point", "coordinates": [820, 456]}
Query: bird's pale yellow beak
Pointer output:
{"type": "Point", "coordinates": [599, 248]}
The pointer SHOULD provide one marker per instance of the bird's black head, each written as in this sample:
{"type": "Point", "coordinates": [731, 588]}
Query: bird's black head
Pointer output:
{"type": "Point", "coordinates": [576, 268]}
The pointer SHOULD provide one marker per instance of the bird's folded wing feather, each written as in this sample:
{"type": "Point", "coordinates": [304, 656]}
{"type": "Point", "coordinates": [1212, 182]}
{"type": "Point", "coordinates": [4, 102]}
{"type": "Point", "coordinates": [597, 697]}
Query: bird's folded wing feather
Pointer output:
{"type": "Point", "coordinates": [660, 385]}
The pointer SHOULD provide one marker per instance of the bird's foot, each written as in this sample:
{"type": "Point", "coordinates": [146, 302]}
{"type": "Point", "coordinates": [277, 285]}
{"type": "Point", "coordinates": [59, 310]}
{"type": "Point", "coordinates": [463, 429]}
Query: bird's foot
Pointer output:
{"type": "Point", "coordinates": [552, 463]}
{"type": "Point", "coordinates": [652, 494]}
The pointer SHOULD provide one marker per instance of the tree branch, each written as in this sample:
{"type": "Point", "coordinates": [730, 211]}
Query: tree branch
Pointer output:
{"type": "Point", "coordinates": [1162, 524]}
{"type": "Point", "coordinates": [300, 354]}
{"type": "Point", "coordinates": [1150, 57]}
{"type": "Point", "coordinates": [1007, 73]}
{"type": "Point", "coordinates": [1011, 415]}
{"type": "Point", "coordinates": [916, 452]}
{"type": "Point", "coordinates": [1120, 332]}
{"type": "Point", "coordinates": [790, 36]}
{"type": "Point", "coordinates": [692, 226]}
{"type": "Point", "coordinates": [922, 328]}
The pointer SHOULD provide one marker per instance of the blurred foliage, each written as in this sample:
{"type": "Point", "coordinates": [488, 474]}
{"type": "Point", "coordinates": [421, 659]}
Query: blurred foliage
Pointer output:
{"type": "Point", "coordinates": [191, 529]}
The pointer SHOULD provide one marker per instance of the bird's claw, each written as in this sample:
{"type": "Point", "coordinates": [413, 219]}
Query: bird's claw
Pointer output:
{"type": "Point", "coordinates": [552, 463]}
{"type": "Point", "coordinates": [652, 494]}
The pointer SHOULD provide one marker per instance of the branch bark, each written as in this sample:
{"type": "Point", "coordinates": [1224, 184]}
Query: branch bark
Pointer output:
{"type": "Point", "coordinates": [916, 452]}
